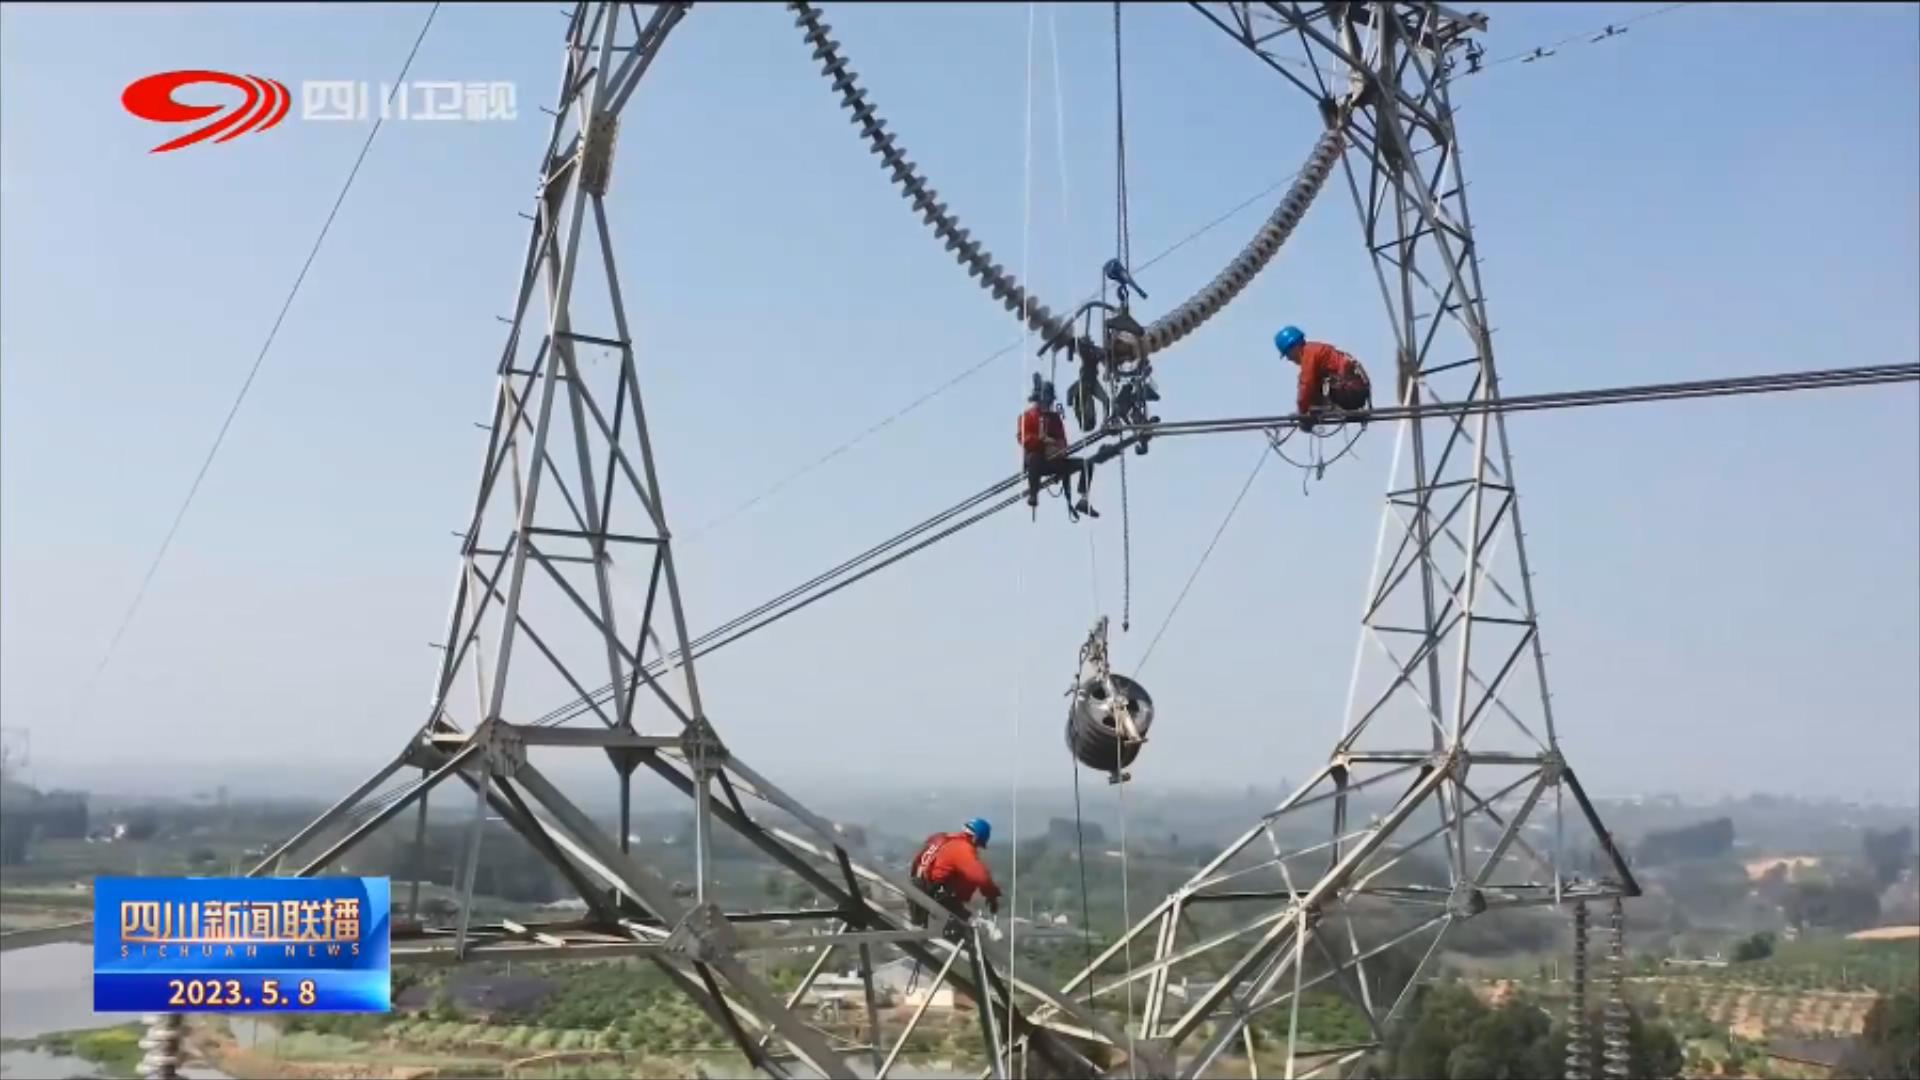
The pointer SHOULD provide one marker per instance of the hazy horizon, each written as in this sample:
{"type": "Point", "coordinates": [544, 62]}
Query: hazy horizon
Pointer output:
{"type": "Point", "coordinates": [1729, 591]}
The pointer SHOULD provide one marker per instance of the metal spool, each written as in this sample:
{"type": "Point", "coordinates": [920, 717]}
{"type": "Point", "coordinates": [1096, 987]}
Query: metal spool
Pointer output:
{"type": "Point", "coordinates": [1091, 730]}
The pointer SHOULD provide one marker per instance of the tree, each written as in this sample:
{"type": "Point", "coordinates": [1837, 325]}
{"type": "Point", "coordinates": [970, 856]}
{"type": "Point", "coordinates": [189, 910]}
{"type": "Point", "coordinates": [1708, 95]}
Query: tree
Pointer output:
{"type": "Point", "coordinates": [1701, 841]}
{"type": "Point", "coordinates": [1757, 947]}
{"type": "Point", "coordinates": [1847, 904]}
{"type": "Point", "coordinates": [1509, 1043]}
{"type": "Point", "coordinates": [1888, 853]}
{"type": "Point", "coordinates": [1441, 1015]}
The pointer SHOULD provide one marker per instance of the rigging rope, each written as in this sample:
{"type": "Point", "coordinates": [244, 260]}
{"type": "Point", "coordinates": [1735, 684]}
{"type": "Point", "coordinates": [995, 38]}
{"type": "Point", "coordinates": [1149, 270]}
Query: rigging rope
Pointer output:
{"type": "Point", "coordinates": [1277, 441]}
{"type": "Point", "coordinates": [1020, 572]}
{"type": "Point", "coordinates": [1080, 844]}
{"type": "Point", "coordinates": [1060, 161]}
{"type": "Point", "coordinates": [1123, 242]}
{"type": "Point", "coordinates": [1123, 250]}
{"type": "Point", "coordinates": [1121, 225]}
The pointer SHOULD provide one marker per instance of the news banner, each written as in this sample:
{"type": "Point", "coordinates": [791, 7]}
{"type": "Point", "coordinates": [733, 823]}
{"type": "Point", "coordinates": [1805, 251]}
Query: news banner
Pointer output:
{"type": "Point", "coordinates": [241, 945]}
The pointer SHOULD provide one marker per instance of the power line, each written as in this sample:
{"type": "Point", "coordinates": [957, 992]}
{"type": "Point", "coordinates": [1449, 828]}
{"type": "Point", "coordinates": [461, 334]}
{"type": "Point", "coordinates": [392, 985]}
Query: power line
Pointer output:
{"type": "Point", "coordinates": [1593, 36]}
{"type": "Point", "coordinates": [220, 437]}
{"type": "Point", "coordinates": [864, 565]}
{"type": "Point", "coordinates": [1204, 556]}
{"type": "Point", "coordinates": [1729, 387]}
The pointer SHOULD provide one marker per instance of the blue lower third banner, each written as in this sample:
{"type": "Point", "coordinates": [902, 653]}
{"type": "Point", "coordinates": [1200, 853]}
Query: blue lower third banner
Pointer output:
{"type": "Point", "coordinates": [241, 945]}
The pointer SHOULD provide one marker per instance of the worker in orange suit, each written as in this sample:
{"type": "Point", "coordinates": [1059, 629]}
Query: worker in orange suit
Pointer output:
{"type": "Point", "coordinates": [1328, 377]}
{"type": "Point", "coordinates": [948, 868]}
{"type": "Point", "coordinates": [1043, 446]}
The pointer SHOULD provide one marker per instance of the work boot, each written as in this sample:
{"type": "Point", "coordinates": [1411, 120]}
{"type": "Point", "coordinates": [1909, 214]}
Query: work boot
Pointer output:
{"type": "Point", "coordinates": [1085, 508]}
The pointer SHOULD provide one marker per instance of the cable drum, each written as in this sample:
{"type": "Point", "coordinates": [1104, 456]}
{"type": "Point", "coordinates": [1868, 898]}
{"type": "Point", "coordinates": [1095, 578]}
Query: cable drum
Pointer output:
{"type": "Point", "coordinates": [1091, 724]}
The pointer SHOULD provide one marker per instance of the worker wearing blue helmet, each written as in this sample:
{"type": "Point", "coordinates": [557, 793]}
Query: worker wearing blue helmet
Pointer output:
{"type": "Point", "coordinates": [949, 869]}
{"type": "Point", "coordinates": [1328, 377]}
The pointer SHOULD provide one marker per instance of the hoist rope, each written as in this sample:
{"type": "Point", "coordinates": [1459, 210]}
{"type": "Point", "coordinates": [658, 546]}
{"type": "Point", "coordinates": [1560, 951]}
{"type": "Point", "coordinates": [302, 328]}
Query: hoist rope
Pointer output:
{"type": "Point", "coordinates": [1123, 251]}
{"type": "Point", "coordinates": [1060, 161]}
{"type": "Point", "coordinates": [1126, 885]}
{"type": "Point", "coordinates": [1020, 571]}
{"type": "Point", "coordinates": [1066, 221]}
{"type": "Point", "coordinates": [1121, 225]}
{"type": "Point", "coordinates": [1122, 243]}
{"type": "Point", "coordinates": [1204, 556]}
{"type": "Point", "coordinates": [1080, 845]}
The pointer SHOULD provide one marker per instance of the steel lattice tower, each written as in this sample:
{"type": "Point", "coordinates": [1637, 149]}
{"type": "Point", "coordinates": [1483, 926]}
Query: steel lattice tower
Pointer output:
{"type": "Point", "coordinates": [568, 491]}
{"type": "Point", "coordinates": [1449, 746]}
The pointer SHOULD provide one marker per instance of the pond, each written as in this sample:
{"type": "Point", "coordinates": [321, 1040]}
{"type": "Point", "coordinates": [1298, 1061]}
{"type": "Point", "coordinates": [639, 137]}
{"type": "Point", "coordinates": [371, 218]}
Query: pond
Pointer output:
{"type": "Point", "coordinates": [49, 988]}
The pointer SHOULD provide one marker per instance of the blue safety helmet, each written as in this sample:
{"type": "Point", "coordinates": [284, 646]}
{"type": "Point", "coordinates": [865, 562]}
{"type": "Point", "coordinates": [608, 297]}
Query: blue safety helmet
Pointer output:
{"type": "Point", "coordinates": [980, 830]}
{"type": "Point", "coordinates": [1288, 338]}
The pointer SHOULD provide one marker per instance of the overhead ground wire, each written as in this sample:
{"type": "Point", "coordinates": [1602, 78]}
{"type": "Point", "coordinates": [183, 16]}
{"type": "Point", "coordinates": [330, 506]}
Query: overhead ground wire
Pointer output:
{"type": "Point", "coordinates": [273, 332]}
{"type": "Point", "coordinates": [983, 503]}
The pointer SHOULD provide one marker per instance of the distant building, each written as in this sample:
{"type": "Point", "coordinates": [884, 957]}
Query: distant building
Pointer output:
{"type": "Point", "coordinates": [1714, 961]}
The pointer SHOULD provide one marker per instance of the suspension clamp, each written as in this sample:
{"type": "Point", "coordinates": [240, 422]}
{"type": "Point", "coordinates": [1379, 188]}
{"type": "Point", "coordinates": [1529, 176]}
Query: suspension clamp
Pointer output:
{"type": "Point", "coordinates": [703, 748]}
{"type": "Point", "coordinates": [502, 748]}
{"type": "Point", "coordinates": [1466, 901]}
{"type": "Point", "coordinates": [596, 153]}
{"type": "Point", "coordinates": [703, 934]}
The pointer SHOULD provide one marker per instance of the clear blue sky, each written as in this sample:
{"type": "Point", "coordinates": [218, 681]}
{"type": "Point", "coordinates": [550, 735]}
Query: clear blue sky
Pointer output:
{"type": "Point", "coordinates": [1729, 590]}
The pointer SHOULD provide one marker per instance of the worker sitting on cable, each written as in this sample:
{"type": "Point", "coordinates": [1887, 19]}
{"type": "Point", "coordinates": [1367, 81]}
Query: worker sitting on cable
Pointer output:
{"type": "Point", "coordinates": [1327, 376]}
{"type": "Point", "coordinates": [1043, 445]}
{"type": "Point", "coordinates": [949, 869]}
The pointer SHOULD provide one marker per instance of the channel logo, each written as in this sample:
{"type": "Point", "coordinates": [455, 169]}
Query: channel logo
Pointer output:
{"type": "Point", "coordinates": [152, 99]}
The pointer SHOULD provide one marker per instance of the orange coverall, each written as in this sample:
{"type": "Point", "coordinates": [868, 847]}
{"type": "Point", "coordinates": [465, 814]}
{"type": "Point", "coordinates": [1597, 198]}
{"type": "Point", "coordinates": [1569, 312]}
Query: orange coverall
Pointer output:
{"type": "Point", "coordinates": [1041, 432]}
{"type": "Point", "coordinates": [1318, 363]}
{"type": "Point", "coordinates": [948, 859]}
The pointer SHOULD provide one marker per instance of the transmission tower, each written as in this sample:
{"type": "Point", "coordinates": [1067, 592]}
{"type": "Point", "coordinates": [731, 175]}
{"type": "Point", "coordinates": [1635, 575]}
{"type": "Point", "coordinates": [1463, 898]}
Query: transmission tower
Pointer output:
{"type": "Point", "coordinates": [1424, 815]}
{"type": "Point", "coordinates": [568, 491]}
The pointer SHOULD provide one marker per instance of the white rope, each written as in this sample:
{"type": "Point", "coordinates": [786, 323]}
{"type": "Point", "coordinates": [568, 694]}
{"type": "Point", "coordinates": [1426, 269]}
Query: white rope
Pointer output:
{"type": "Point", "coordinates": [1066, 228]}
{"type": "Point", "coordinates": [1126, 885]}
{"type": "Point", "coordinates": [1060, 161]}
{"type": "Point", "coordinates": [1013, 872]}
